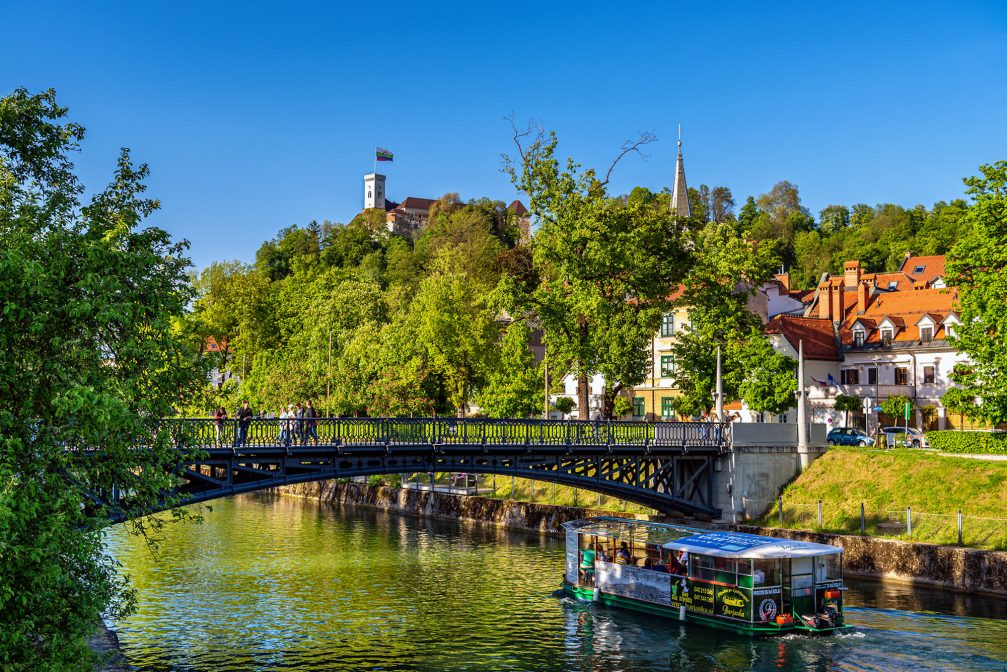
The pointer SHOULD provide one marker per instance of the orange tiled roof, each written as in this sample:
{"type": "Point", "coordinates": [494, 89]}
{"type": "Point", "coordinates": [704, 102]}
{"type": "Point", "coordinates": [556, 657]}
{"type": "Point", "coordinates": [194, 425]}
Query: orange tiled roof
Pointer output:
{"type": "Point", "coordinates": [904, 309]}
{"type": "Point", "coordinates": [933, 267]}
{"type": "Point", "coordinates": [817, 334]}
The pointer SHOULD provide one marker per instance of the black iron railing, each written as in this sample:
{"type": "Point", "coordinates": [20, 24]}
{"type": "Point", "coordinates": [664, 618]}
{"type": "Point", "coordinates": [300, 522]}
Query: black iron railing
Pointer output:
{"type": "Point", "coordinates": [445, 432]}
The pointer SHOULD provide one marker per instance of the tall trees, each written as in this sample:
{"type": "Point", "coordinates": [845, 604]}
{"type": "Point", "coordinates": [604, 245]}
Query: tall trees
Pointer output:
{"type": "Point", "coordinates": [978, 267]}
{"type": "Point", "coordinates": [91, 354]}
{"type": "Point", "coordinates": [605, 266]}
{"type": "Point", "coordinates": [514, 388]}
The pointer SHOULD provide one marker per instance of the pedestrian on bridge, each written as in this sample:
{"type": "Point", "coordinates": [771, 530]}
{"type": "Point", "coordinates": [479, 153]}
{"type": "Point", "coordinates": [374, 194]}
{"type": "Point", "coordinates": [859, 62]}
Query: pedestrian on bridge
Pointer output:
{"type": "Point", "coordinates": [310, 423]}
{"type": "Point", "coordinates": [244, 416]}
{"type": "Point", "coordinates": [219, 416]}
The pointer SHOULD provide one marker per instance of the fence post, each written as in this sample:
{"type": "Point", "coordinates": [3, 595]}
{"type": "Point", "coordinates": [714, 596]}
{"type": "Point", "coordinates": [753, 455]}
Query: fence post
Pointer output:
{"type": "Point", "coordinates": [554, 493]}
{"type": "Point", "coordinates": [512, 486]}
{"type": "Point", "coordinates": [781, 511]}
{"type": "Point", "coordinates": [960, 527]}
{"type": "Point", "coordinates": [863, 522]}
{"type": "Point", "coordinates": [599, 500]}
{"type": "Point", "coordinates": [909, 521]}
{"type": "Point", "coordinates": [494, 485]}
{"type": "Point", "coordinates": [819, 514]}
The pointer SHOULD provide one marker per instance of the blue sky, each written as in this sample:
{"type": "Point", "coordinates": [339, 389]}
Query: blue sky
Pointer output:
{"type": "Point", "coordinates": [255, 116]}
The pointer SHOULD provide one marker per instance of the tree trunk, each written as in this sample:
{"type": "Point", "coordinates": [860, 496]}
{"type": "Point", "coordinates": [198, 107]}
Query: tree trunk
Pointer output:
{"type": "Point", "coordinates": [583, 411]}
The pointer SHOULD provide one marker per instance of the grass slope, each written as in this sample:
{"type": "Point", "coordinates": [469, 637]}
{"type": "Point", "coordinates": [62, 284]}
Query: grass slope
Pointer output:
{"type": "Point", "coordinates": [886, 482]}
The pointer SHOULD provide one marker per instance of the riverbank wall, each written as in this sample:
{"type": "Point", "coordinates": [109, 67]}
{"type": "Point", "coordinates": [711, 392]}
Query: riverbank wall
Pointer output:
{"type": "Point", "coordinates": [968, 570]}
{"type": "Point", "coordinates": [525, 516]}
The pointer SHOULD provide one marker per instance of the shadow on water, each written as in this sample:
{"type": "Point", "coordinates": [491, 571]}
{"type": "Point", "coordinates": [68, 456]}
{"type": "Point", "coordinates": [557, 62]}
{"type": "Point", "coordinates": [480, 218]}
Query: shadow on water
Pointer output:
{"type": "Point", "coordinates": [270, 583]}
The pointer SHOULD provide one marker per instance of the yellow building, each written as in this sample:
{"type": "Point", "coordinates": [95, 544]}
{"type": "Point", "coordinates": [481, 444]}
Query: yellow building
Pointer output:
{"type": "Point", "coordinates": [655, 398]}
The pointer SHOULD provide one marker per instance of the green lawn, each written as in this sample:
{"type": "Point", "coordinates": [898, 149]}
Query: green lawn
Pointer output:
{"type": "Point", "coordinates": [887, 482]}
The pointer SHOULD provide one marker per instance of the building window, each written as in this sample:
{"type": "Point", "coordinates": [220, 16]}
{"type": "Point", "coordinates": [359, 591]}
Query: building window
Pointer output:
{"type": "Point", "coordinates": [667, 408]}
{"type": "Point", "coordinates": [886, 335]}
{"type": "Point", "coordinates": [949, 328]}
{"type": "Point", "coordinates": [901, 375]}
{"type": "Point", "coordinates": [919, 269]}
{"type": "Point", "coordinates": [926, 334]}
{"type": "Point", "coordinates": [858, 338]}
{"type": "Point", "coordinates": [872, 375]}
{"type": "Point", "coordinates": [639, 409]}
{"type": "Point", "coordinates": [893, 285]}
{"type": "Point", "coordinates": [849, 376]}
{"type": "Point", "coordinates": [929, 375]}
{"type": "Point", "coordinates": [667, 366]}
{"type": "Point", "coordinates": [668, 324]}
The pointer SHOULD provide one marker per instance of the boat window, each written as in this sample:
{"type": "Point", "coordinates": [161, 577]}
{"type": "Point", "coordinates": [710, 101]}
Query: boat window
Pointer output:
{"type": "Point", "coordinates": [829, 567]}
{"type": "Point", "coordinates": [766, 573]}
{"type": "Point", "coordinates": [725, 571]}
{"type": "Point", "coordinates": [702, 567]}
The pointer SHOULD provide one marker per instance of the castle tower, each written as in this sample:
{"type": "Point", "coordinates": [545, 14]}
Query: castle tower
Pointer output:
{"type": "Point", "coordinates": [680, 193]}
{"type": "Point", "coordinates": [374, 191]}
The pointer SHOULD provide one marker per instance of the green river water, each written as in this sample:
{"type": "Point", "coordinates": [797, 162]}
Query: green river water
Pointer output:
{"type": "Point", "coordinates": [275, 583]}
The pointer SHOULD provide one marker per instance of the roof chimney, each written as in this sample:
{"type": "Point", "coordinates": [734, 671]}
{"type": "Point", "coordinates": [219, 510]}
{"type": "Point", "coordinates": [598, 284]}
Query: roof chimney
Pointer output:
{"type": "Point", "coordinates": [838, 305]}
{"type": "Point", "coordinates": [851, 274]}
{"type": "Point", "coordinates": [783, 279]}
{"type": "Point", "coordinates": [863, 296]}
{"type": "Point", "coordinates": [825, 300]}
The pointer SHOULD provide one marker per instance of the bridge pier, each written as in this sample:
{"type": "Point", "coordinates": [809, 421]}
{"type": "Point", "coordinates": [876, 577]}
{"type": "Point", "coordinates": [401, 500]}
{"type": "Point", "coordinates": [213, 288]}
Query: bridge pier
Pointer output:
{"type": "Point", "coordinates": [763, 458]}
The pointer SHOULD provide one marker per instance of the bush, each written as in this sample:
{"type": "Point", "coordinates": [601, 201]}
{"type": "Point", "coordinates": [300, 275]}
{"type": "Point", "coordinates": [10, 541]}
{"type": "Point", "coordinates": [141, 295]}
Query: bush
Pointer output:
{"type": "Point", "coordinates": [564, 405]}
{"type": "Point", "coordinates": [949, 441]}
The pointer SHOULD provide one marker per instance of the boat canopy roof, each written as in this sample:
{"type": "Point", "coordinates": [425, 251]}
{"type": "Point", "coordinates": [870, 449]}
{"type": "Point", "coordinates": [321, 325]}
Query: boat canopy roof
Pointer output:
{"type": "Point", "coordinates": [754, 546]}
{"type": "Point", "coordinates": [723, 544]}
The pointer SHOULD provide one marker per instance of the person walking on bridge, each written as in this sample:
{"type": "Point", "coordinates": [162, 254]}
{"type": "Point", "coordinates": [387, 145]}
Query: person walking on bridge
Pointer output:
{"type": "Point", "coordinates": [219, 416]}
{"type": "Point", "coordinates": [244, 416]}
{"type": "Point", "coordinates": [310, 423]}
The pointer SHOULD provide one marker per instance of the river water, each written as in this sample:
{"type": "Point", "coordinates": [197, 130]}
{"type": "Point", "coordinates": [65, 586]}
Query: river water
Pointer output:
{"type": "Point", "coordinates": [275, 583]}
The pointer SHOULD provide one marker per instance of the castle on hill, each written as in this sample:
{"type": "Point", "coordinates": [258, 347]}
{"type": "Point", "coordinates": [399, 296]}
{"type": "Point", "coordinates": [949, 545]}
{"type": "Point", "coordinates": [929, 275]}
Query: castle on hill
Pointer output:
{"type": "Point", "coordinates": [411, 215]}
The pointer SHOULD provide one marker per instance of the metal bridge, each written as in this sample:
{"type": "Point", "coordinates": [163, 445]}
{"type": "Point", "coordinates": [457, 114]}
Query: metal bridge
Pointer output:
{"type": "Point", "coordinates": [667, 466]}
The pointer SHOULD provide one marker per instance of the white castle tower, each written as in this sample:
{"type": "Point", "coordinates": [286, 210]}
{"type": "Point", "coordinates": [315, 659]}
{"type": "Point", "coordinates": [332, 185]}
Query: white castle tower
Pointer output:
{"type": "Point", "coordinates": [374, 191]}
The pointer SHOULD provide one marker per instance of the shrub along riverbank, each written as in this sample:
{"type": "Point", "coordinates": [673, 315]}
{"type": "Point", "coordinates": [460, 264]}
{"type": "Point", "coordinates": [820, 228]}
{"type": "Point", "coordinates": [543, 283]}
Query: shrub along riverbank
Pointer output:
{"type": "Point", "coordinates": [933, 487]}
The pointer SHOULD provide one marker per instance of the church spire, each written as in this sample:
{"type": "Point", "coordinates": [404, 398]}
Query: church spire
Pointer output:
{"type": "Point", "coordinates": [680, 193]}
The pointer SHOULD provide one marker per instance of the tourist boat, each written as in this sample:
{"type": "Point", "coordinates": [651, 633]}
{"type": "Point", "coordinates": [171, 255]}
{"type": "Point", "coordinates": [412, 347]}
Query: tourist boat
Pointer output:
{"type": "Point", "coordinates": [743, 582]}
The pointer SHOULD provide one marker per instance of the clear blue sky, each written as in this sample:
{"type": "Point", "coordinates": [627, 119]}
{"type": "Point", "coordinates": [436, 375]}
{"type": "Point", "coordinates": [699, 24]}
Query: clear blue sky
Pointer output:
{"type": "Point", "coordinates": [254, 116]}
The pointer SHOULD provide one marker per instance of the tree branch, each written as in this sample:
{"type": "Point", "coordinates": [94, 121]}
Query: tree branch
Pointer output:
{"type": "Point", "coordinates": [646, 137]}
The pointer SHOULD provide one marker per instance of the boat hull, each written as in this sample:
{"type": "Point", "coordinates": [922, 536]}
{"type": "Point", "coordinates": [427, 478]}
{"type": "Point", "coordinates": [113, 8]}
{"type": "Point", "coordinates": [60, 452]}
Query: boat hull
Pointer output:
{"type": "Point", "coordinates": [586, 594]}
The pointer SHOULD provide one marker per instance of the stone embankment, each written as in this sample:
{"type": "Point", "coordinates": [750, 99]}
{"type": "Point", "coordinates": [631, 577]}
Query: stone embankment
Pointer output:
{"type": "Point", "coordinates": [967, 570]}
{"type": "Point", "coordinates": [542, 518]}
{"type": "Point", "coordinates": [961, 569]}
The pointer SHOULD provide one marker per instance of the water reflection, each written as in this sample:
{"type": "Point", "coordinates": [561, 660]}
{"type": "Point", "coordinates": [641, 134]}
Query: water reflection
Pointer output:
{"type": "Point", "coordinates": [271, 583]}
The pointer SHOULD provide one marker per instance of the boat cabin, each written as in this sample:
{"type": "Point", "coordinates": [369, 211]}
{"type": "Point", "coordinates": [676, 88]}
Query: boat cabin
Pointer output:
{"type": "Point", "coordinates": [745, 582]}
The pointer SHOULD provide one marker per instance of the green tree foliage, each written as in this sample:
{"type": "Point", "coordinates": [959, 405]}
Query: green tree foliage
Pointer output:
{"type": "Point", "coordinates": [565, 405]}
{"type": "Point", "coordinates": [769, 379]}
{"type": "Point", "coordinates": [515, 387]}
{"type": "Point", "coordinates": [605, 267]}
{"type": "Point", "coordinates": [978, 267]}
{"type": "Point", "coordinates": [846, 403]}
{"type": "Point", "coordinates": [726, 266]}
{"type": "Point", "coordinates": [91, 353]}
{"type": "Point", "coordinates": [895, 406]}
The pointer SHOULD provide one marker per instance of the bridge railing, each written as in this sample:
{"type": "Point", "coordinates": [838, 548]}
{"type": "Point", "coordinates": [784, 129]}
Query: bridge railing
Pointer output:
{"type": "Point", "coordinates": [290, 432]}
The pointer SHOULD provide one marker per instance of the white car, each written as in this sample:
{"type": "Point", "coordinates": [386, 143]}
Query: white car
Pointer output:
{"type": "Point", "coordinates": [911, 437]}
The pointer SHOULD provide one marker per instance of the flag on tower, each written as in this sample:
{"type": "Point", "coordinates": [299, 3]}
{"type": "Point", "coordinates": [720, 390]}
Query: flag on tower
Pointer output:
{"type": "Point", "coordinates": [382, 155]}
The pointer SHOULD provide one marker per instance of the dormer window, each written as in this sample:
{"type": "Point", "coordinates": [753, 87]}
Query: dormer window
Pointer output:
{"type": "Point", "coordinates": [950, 328]}
{"type": "Point", "coordinates": [919, 269]}
{"type": "Point", "coordinates": [926, 334]}
{"type": "Point", "coordinates": [893, 285]}
{"type": "Point", "coordinates": [858, 338]}
{"type": "Point", "coordinates": [886, 335]}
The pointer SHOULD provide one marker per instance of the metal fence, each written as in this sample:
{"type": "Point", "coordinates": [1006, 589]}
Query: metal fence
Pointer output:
{"type": "Point", "coordinates": [856, 518]}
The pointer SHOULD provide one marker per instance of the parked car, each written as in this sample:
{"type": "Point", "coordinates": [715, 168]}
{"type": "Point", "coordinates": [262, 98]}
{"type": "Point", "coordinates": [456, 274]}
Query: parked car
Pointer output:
{"type": "Point", "coordinates": [913, 437]}
{"type": "Point", "coordinates": [847, 436]}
